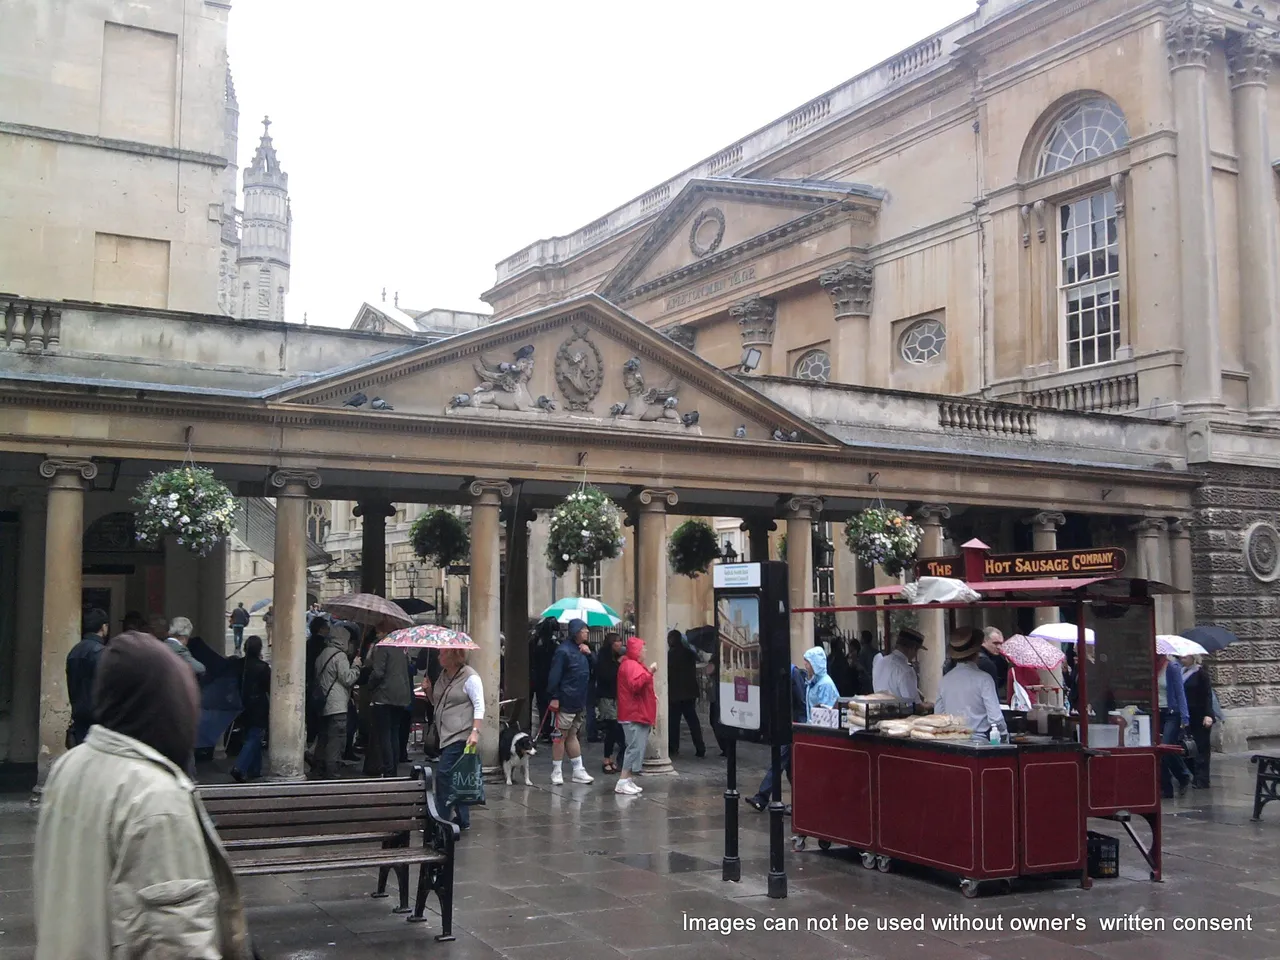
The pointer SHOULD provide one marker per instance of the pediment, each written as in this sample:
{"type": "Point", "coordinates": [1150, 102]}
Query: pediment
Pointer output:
{"type": "Point", "coordinates": [582, 364]}
{"type": "Point", "coordinates": [711, 222]}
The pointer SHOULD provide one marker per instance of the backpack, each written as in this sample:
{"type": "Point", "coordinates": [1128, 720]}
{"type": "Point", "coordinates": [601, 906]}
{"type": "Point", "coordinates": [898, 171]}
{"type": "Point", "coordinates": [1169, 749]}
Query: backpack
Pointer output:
{"type": "Point", "coordinates": [317, 698]}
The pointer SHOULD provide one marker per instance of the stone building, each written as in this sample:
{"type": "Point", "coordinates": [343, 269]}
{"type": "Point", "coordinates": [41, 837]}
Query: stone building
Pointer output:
{"type": "Point", "coordinates": [1053, 205]}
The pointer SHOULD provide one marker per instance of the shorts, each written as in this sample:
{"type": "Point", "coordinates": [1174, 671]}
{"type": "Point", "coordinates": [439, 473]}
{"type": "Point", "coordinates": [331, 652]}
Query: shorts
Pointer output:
{"type": "Point", "coordinates": [567, 723]}
{"type": "Point", "coordinates": [637, 735]}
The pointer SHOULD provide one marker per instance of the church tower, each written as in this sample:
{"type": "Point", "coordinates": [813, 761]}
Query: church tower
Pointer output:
{"type": "Point", "coordinates": [263, 265]}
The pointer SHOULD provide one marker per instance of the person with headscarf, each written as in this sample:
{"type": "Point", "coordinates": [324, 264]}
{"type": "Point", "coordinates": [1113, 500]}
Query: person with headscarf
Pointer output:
{"type": "Point", "coordinates": [820, 688]}
{"type": "Point", "coordinates": [126, 858]}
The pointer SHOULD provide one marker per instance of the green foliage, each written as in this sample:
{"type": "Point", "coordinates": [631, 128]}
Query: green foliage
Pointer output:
{"type": "Point", "coordinates": [692, 548]}
{"type": "Point", "coordinates": [440, 537]}
{"type": "Point", "coordinates": [885, 538]}
{"type": "Point", "coordinates": [585, 529]}
{"type": "Point", "coordinates": [188, 503]}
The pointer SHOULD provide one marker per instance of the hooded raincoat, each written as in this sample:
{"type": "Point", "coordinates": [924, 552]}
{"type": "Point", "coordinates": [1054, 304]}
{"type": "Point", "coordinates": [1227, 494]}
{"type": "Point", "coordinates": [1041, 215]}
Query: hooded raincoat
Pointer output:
{"type": "Point", "coordinates": [637, 702]}
{"type": "Point", "coordinates": [822, 690]}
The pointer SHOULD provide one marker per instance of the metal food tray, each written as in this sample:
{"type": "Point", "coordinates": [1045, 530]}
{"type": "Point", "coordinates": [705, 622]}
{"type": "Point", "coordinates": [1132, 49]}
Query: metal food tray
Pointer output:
{"type": "Point", "coordinates": [876, 710]}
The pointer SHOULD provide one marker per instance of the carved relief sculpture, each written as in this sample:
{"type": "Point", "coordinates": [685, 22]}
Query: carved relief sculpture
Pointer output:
{"type": "Point", "coordinates": [579, 370]}
{"type": "Point", "coordinates": [646, 404]}
{"type": "Point", "coordinates": [504, 386]}
{"type": "Point", "coordinates": [850, 287]}
{"type": "Point", "coordinates": [683, 334]}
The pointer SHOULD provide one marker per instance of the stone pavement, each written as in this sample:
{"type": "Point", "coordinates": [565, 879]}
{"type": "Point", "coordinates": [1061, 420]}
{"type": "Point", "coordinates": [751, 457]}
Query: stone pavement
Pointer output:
{"type": "Point", "coordinates": [579, 873]}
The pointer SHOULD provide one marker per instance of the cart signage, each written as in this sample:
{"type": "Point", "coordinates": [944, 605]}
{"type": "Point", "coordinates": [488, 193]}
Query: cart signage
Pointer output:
{"type": "Point", "coordinates": [1099, 561]}
{"type": "Point", "coordinates": [824, 717]}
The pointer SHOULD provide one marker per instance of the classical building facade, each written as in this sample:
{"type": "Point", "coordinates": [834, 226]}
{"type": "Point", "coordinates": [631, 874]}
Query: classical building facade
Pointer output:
{"type": "Point", "coordinates": [1051, 205]}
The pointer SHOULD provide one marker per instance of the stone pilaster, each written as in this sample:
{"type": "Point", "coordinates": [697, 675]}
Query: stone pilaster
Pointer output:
{"type": "Point", "coordinates": [933, 623]}
{"type": "Point", "coordinates": [1180, 573]}
{"type": "Point", "coordinates": [24, 736]}
{"type": "Point", "coordinates": [287, 726]}
{"type": "Point", "coordinates": [651, 603]}
{"type": "Point", "coordinates": [1190, 38]}
{"type": "Point", "coordinates": [800, 512]}
{"type": "Point", "coordinates": [484, 618]}
{"type": "Point", "coordinates": [373, 544]}
{"type": "Point", "coordinates": [756, 318]}
{"type": "Point", "coordinates": [1250, 64]}
{"type": "Point", "coordinates": [757, 530]}
{"type": "Point", "coordinates": [1044, 536]}
{"type": "Point", "coordinates": [850, 285]}
{"type": "Point", "coordinates": [63, 566]}
{"type": "Point", "coordinates": [1153, 564]}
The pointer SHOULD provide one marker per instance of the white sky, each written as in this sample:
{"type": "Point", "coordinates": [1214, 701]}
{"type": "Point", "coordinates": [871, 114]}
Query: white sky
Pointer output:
{"type": "Point", "coordinates": [426, 141]}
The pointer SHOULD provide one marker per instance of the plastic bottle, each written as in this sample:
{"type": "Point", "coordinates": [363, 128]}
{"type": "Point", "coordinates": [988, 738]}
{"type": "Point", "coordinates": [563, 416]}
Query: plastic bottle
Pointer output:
{"type": "Point", "coordinates": [995, 735]}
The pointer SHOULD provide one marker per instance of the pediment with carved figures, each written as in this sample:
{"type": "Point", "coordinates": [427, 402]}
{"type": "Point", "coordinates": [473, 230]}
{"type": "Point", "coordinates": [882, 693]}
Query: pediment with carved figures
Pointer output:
{"type": "Point", "coordinates": [714, 223]}
{"type": "Point", "coordinates": [580, 364]}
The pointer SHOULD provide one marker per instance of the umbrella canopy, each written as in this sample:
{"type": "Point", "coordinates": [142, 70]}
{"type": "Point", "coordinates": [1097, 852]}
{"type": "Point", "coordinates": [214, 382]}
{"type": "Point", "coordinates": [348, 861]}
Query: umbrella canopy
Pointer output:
{"type": "Point", "coordinates": [260, 604]}
{"type": "Point", "coordinates": [1035, 652]}
{"type": "Point", "coordinates": [414, 605]}
{"type": "Point", "coordinates": [591, 612]}
{"type": "Point", "coordinates": [1171, 646]}
{"type": "Point", "coordinates": [368, 609]}
{"type": "Point", "coordinates": [428, 636]}
{"type": "Point", "coordinates": [1211, 638]}
{"type": "Point", "coordinates": [1062, 633]}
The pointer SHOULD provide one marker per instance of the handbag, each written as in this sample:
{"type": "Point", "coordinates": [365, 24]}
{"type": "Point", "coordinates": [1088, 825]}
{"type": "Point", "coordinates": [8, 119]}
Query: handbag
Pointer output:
{"type": "Point", "coordinates": [466, 779]}
{"type": "Point", "coordinates": [1190, 749]}
{"type": "Point", "coordinates": [431, 739]}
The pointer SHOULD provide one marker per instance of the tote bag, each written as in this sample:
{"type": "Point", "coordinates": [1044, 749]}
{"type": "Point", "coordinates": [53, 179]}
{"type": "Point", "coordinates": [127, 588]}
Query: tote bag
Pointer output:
{"type": "Point", "coordinates": [466, 779]}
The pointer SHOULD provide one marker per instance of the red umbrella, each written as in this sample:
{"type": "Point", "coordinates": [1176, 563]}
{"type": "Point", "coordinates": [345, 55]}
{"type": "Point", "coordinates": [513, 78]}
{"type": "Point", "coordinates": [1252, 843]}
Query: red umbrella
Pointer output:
{"type": "Point", "coordinates": [368, 609]}
{"type": "Point", "coordinates": [1032, 652]}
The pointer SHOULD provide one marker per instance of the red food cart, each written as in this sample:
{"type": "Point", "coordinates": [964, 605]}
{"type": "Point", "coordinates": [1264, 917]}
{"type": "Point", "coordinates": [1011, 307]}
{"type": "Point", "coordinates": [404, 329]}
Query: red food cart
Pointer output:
{"type": "Point", "coordinates": [999, 812]}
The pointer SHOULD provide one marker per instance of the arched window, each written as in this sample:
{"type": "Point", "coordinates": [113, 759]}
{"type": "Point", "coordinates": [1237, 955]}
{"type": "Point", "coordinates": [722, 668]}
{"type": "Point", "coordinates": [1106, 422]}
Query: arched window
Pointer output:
{"type": "Point", "coordinates": [814, 365]}
{"type": "Point", "coordinates": [1087, 131]}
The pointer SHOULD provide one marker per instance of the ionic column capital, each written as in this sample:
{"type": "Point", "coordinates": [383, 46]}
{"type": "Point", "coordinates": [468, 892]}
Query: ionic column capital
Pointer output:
{"type": "Point", "coordinates": [489, 493]}
{"type": "Point", "coordinates": [850, 285]}
{"type": "Point", "coordinates": [293, 481]}
{"type": "Point", "coordinates": [1248, 61]}
{"type": "Point", "coordinates": [802, 506]}
{"type": "Point", "coordinates": [1149, 526]}
{"type": "Point", "coordinates": [1189, 38]}
{"type": "Point", "coordinates": [1181, 527]}
{"type": "Point", "coordinates": [932, 514]}
{"type": "Point", "coordinates": [657, 499]}
{"type": "Point", "coordinates": [62, 471]}
{"type": "Point", "coordinates": [1046, 521]}
{"type": "Point", "coordinates": [373, 508]}
{"type": "Point", "coordinates": [756, 317]}
{"type": "Point", "coordinates": [761, 523]}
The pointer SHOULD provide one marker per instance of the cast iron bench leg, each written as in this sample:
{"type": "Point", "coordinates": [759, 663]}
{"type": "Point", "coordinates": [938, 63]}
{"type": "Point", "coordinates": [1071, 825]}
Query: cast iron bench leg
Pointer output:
{"type": "Point", "coordinates": [381, 892]}
{"type": "Point", "coordinates": [444, 893]}
{"type": "Point", "coordinates": [402, 882]}
{"type": "Point", "coordinates": [420, 900]}
{"type": "Point", "coordinates": [1265, 787]}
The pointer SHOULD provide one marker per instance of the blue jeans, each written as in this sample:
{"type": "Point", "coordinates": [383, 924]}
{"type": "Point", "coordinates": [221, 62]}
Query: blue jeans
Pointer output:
{"type": "Point", "coordinates": [765, 793]}
{"type": "Point", "coordinates": [237, 630]}
{"type": "Point", "coordinates": [449, 758]}
{"type": "Point", "coordinates": [1173, 767]}
{"type": "Point", "coordinates": [249, 760]}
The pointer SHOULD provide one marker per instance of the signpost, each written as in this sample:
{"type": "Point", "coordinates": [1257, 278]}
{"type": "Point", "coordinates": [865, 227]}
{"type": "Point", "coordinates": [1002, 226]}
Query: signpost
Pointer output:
{"type": "Point", "coordinates": [753, 683]}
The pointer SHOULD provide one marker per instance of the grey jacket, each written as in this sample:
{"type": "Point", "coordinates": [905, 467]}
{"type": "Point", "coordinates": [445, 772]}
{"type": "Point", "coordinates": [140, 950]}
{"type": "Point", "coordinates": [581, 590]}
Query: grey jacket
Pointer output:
{"type": "Point", "coordinates": [335, 674]}
{"type": "Point", "coordinates": [389, 680]}
{"type": "Point", "coordinates": [180, 648]}
{"type": "Point", "coordinates": [127, 862]}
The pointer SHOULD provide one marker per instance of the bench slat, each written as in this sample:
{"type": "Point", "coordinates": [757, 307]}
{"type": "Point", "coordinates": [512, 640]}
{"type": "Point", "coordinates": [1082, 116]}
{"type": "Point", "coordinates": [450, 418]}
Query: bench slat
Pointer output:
{"type": "Point", "coordinates": [337, 801]}
{"type": "Point", "coordinates": [336, 819]}
{"type": "Point", "coordinates": [252, 868]}
{"type": "Point", "coordinates": [287, 831]}
{"type": "Point", "coordinates": [275, 841]}
{"type": "Point", "coordinates": [306, 788]}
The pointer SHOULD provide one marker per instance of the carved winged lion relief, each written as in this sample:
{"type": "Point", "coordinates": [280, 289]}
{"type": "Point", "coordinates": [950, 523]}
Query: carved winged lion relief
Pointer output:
{"type": "Point", "coordinates": [504, 386]}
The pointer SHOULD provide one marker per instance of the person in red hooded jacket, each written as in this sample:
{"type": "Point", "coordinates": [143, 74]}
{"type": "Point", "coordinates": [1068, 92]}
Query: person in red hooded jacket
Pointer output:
{"type": "Point", "coordinates": [637, 711]}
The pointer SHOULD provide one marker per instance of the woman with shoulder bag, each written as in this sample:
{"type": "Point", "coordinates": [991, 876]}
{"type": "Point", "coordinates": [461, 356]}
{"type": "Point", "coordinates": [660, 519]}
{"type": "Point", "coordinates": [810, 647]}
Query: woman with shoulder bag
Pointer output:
{"type": "Point", "coordinates": [1200, 714]}
{"type": "Point", "coordinates": [457, 700]}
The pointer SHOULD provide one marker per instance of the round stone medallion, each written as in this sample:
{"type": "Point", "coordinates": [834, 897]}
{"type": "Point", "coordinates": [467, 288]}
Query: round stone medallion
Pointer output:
{"type": "Point", "coordinates": [1262, 552]}
{"type": "Point", "coordinates": [707, 232]}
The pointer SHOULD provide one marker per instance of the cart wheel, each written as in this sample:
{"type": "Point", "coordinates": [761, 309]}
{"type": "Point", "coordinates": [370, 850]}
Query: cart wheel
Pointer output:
{"type": "Point", "coordinates": [798, 843]}
{"type": "Point", "coordinates": [969, 888]}
{"type": "Point", "coordinates": [824, 844]}
{"type": "Point", "coordinates": [1006, 886]}
{"type": "Point", "coordinates": [884, 864]}
{"type": "Point", "coordinates": [868, 859]}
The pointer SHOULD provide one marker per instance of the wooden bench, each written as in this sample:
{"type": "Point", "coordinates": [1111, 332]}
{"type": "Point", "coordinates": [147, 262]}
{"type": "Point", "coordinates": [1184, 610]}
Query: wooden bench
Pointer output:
{"type": "Point", "coordinates": [1267, 786]}
{"type": "Point", "coordinates": [312, 826]}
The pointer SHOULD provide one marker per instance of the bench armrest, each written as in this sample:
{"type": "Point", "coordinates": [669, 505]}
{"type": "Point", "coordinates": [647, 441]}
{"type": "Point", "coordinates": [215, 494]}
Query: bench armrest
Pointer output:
{"type": "Point", "coordinates": [437, 831]}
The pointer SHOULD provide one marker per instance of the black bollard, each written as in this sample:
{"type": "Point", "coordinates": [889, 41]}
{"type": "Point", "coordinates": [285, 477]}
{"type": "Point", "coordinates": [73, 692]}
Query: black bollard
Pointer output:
{"type": "Point", "coordinates": [731, 866]}
{"type": "Point", "coordinates": [777, 852]}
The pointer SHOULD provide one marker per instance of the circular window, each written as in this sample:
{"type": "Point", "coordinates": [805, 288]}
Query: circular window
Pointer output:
{"type": "Point", "coordinates": [923, 341]}
{"type": "Point", "coordinates": [1262, 552]}
{"type": "Point", "coordinates": [814, 365]}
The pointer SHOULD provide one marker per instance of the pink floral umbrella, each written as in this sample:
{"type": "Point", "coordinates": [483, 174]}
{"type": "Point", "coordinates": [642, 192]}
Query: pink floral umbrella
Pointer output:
{"type": "Point", "coordinates": [1033, 652]}
{"type": "Point", "coordinates": [428, 636]}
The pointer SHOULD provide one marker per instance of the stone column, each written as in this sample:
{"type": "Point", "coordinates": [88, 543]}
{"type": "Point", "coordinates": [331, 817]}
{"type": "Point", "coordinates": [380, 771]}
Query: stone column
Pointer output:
{"type": "Point", "coordinates": [847, 584]}
{"type": "Point", "coordinates": [516, 615]}
{"type": "Point", "coordinates": [756, 317]}
{"type": "Point", "coordinates": [850, 287]}
{"type": "Point", "coordinates": [484, 615]}
{"type": "Point", "coordinates": [757, 530]}
{"type": "Point", "coordinates": [800, 512]}
{"type": "Point", "coordinates": [651, 612]}
{"type": "Point", "coordinates": [24, 736]}
{"type": "Point", "coordinates": [373, 544]}
{"type": "Point", "coordinates": [1250, 64]}
{"type": "Point", "coordinates": [933, 623]}
{"type": "Point", "coordinates": [63, 569]}
{"type": "Point", "coordinates": [1190, 38]}
{"type": "Point", "coordinates": [181, 582]}
{"type": "Point", "coordinates": [212, 626]}
{"type": "Point", "coordinates": [1153, 564]}
{"type": "Point", "coordinates": [288, 729]}
{"type": "Point", "coordinates": [1180, 573]}
{"type": "Point", "coordinates": [1044, 537]}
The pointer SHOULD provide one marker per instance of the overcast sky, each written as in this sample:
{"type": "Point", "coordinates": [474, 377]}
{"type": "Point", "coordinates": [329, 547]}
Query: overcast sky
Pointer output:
{"type": "Point", "coordinates": [426, 141]}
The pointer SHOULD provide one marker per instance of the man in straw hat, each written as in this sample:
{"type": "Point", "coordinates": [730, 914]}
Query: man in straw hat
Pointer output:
{"type": "Point", "coordinates": [968, 691]}
{"type": "Point", "coordinates": [895, 673]}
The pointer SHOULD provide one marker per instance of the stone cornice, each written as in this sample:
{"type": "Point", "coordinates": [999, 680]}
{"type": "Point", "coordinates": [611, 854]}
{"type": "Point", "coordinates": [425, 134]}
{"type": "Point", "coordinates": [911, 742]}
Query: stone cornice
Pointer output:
{"type": "Point", "coordinates": [107, 143]}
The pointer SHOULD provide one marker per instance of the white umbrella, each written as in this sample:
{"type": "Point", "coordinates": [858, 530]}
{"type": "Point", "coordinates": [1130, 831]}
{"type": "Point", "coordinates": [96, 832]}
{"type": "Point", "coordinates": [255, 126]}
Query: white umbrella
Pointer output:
{"type": "Point", "coordinates": [1062, 633]}
{"type": "Point", "coordinates": [1172, 646]}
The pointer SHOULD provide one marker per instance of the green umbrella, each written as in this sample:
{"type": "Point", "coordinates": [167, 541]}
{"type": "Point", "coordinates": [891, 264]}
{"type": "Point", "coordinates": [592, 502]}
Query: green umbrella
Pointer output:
{"type": "Point", "coordinates": [591, 612]}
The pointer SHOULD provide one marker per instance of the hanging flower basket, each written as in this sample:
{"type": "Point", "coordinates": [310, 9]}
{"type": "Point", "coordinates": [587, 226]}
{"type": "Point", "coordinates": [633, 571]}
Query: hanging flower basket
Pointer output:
{"type": "Point", "coordinates": [885, 538]}
{"type": "Point", "coordinates": [188, 503]}
{"type": "Point", "coordinates": [585, 529]}
{"type": "Point", "coordinates": [692, 548]}
{"type": "Point", "coordinates": [440, 537]}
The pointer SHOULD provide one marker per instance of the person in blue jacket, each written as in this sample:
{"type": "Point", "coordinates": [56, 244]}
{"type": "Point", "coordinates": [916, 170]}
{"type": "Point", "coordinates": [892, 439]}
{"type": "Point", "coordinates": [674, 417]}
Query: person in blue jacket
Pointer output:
{"type": "Point", "coordinates": [821, 689]}
{"type": "Point", "coordinates": [799, 714]}
{"type": "Point", "coordinates": [1173, 720]}
{"type": "Point", "coordinates": [571, 667]}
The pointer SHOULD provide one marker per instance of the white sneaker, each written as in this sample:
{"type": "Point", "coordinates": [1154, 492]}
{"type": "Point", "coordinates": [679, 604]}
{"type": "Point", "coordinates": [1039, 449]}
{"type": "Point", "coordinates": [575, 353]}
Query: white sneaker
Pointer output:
{"type": "Point", "coordinates": [581, 776]}
{"type": "Point", "coordinates": [626, 787]}
{"type": "Point", "coordinates": [557, 778]}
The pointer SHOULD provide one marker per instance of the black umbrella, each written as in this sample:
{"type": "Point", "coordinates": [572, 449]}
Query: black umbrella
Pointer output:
{"type": "Point", "coordinates": [413, 606]}
{"type": "Point", "coordinates": [1211, 638]}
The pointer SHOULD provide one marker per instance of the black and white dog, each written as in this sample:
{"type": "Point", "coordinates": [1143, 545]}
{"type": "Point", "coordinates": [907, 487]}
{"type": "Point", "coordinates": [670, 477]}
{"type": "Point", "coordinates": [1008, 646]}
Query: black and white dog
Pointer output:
{"type": "Point", "coordinates": [515, 747]}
